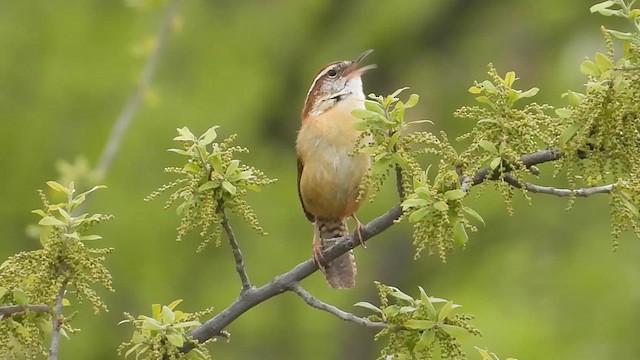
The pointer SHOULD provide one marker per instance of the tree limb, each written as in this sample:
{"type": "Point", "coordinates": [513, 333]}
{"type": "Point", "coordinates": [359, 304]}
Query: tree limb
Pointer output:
{"type": "Point", "coordinates": [57, 323]}
{"type": "Point", "coordinates": [285, 281]}
{"type": "Point", "coordinates": [135, 99]}
{"type": "Point", "coordinates": [313, 302]}
{"type": "Point", "coordinates": [237, 255]}
{"type": "Point", "coordinates": [14, 309]}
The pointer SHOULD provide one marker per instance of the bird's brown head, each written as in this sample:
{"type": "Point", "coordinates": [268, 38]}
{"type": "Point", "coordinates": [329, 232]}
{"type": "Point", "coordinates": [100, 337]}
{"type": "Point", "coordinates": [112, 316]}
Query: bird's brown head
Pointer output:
{"type": "Point", "coordinates": [337, 82]}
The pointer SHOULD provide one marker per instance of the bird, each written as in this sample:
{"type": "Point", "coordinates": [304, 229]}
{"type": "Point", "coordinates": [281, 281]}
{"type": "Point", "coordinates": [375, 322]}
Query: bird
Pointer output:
{"type": "Point", "coordinates": [329, 173]}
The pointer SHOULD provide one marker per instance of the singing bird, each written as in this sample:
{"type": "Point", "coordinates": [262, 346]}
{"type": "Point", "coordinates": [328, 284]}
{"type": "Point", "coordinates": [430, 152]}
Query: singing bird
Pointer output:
{"type": "Point", "coordinates": [329, 174]}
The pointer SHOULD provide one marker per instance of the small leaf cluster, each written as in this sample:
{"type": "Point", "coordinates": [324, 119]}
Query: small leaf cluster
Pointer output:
{"type": "Point", "coordinates": [67, 259]}
{"type": "Point", "coordinates": [601, 131]}
{"type": "Point", "coordinates": [503, 132]}
{"type": "Point", "coordinates": [161, 335]}
{"type": "Point", "coordinates": [624, 209]}
{"type": "Point", "coordinates": [382, 123]}
{"type": "Point", "coordinates": [211, 181]}
{"type": "Point", "coordinates": [422, 328]}
{"type": "Point", "coordinates": [437, 211]}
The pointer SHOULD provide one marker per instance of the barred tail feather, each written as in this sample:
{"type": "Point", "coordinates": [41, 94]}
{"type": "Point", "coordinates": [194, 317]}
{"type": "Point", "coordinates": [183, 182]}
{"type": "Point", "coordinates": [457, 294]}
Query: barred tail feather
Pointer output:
{"type": "Point", "coordinates": [341, 272]}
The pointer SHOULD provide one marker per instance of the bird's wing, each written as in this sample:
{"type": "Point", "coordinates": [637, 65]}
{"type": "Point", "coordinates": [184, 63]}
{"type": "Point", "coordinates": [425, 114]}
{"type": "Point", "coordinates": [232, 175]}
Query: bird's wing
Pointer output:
{"type": "Point", "coordinates": [307, 213]}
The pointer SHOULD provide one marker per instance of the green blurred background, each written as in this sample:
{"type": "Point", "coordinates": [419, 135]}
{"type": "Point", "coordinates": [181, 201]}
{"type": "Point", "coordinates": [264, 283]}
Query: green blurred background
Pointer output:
{"type": "Point", "coordinates": [543, 283]}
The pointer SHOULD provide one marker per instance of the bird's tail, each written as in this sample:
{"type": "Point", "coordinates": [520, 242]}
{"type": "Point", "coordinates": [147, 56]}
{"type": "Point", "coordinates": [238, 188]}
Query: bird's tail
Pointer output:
{"type": "Point", "coordinates": [341, 272]}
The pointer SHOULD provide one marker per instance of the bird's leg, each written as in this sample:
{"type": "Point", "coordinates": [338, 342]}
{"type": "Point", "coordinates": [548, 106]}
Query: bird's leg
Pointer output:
{"type": "Point", "coordinates": [317, 247]}
{"type": "Point", "coordinates": [359, 228]}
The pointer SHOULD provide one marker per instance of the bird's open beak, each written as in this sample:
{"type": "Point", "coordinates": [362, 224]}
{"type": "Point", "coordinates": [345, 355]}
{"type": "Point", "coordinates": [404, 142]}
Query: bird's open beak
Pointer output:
{"type": "Point", "coordinates": [354, 69]}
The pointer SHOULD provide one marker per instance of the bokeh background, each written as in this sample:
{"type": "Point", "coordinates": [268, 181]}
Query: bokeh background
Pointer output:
{"type": "Point", "coordinates": [543, 283]}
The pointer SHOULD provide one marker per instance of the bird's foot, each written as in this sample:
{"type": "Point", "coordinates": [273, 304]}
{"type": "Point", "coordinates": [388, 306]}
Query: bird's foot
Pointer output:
{"type": "Point", "coordinates": [318, 258]}
{"type": "Point", "coordinates": [359, 230]}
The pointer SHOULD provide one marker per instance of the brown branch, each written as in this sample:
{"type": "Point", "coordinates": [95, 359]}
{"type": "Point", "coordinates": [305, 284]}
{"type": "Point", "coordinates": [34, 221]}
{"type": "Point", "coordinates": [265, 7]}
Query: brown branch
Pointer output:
{"type": "Point", "coordinates": [135, 99]}
{"type": "Point", "coordinates": [583, 192]}
{"type": "Point", "coordinates": [9, 310]}
{"type": "Point", "coordinates": [530, 160]}
{"type": "Point", "coordinates": [57, 323]}
{"type": "Point", "coordinates": [282, 283]}
{"type": "Point", "coordinates": [237, 255]}
{"type": "Point", "coordinates": [314, 302]}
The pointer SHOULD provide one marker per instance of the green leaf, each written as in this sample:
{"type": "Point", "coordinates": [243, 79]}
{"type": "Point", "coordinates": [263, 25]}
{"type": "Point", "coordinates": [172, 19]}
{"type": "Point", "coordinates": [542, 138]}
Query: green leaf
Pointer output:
{"type": "Point", "coordinates": [459, 333]}
{"type": "Point", "coordinates": [446, 311]}
{"type": "Point", "coordinates": [390, 311]}
{"type": "Point", "coordinates": [495, 163]}
{"type": "Point", "coordinates": [488, 146]}
{"type": "Point", "coordinates": [418, 215]}
{"type": "Point", "coordinates": [180, 151]}
{"type": "Point", "coordinates": [588, 67]}
{"type": "Point", "coordinates": [413, 100]}
{"type": "Point", "coordinates": [156, 311]}
{"type": "Point", "coordinates": [187, 324]}
{"type": "Point", "coordinates": [622, 35]}
{"type": "Point", "coordinates": [416, 324]}
{"type": "Point", "coordinates": [39, 212]}
{"type": "Point", "coordinates": [168, 317]}
{"type": "Point", "coordinates": [574, 98]}
{"type": "Point", "coordinates": [472, 213]}
{"type": "Point", "coordinates": [174, 303]}
{"type": "Point", "coordinates": [185, 135]}
{"type": "Point", "coordinates": [484, 100]}
{"type": "Point", "coordinates": [441, 206]}
{"type": "Point", "coordinates": [231, 189]}
{"type": "Point", "coordinates": [90, 237]}
{"type": "Point", "coordinates": [426, 339]}
{"type": "Point", "coordinates": [431, 310]}
{"type": "Point", "coordinates": [475, 90]}
{"type": "Point", "coordinates": [397, 293]}
{"type": "Point", "coordinates": [58, 187]}
{"type": "Point", "coordinates": [369, 306]}
{"type": "Point", "coordinates": [175, 339]}
{"type": "Point", "coordinates": [603, 62]}
{"type": "Point", "coordinates": [3, 291]}
{"type": "Point", "coordinates": [460, 233]}
{"type": "Point", "coordinates": [51, 221]}
{"type": "Point", "coordinates": [414, 202]}
{"type": "Point", "coordinates": [600, 6]}
{"type": "Point", "coordinates": [509, 79]}
{"type": "Point", "coordinates": [488, 86]}
{"type": "Point", "coordinates": [564, 113]}
{"type": "Point", "coordinates": [208, 137]}
{"type": "Point", "coordinates": [209, 185]}
{"type": "Point", "coordinates": [397, 92]}
{"type": "Point", "coordinates": [365, 114]}
{"type": "Point", "coordinates": [529, 93]}
{"type": "Point", "coordinates": [20, 297]}
{"type": "Point", "coordinates": [373, 106]}
{"type": "Point", "coordinates": [455, 194]}
{"type": "Point", "coordinates": [133, 348]}
{"type": "Point", "coordinates": [569, 133]}
{"type": "Point", "coordinates": [233, 166]}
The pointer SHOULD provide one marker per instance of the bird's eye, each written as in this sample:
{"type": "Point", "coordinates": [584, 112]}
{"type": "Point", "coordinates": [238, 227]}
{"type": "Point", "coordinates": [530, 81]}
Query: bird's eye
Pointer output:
{"type": "Point", "coordinates": [332, 73]}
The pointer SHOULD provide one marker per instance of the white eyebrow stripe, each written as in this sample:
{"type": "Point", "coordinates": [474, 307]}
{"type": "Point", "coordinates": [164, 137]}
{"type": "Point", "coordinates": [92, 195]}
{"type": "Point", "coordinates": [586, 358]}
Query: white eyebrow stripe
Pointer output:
{"type": "Point", "coordinates": [313, 84]}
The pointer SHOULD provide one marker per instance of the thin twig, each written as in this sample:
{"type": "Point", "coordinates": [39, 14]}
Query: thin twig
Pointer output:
{"type": "Point", "coordinates": [583, 192]}
{"type": "Point", "coordinates": [135, 99]}
{"type": "Point", "coordinates": [57, 323]}
{"type": "Point", "coordinates": [14, 309]}
{"type": "Point", "coordinates": [530, 160]}
{"type": "Point", "coordinates": [313, 302]}
{"type": "Point", "coordinates": [237, 255]}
